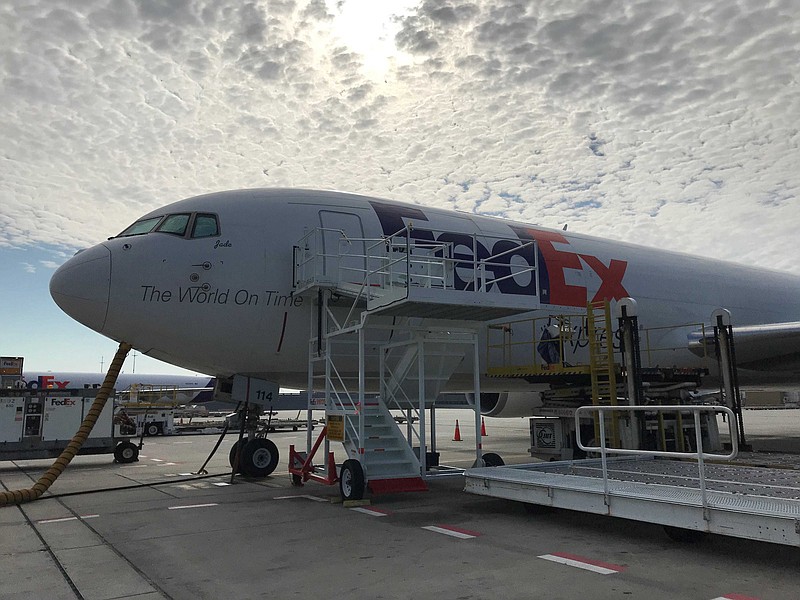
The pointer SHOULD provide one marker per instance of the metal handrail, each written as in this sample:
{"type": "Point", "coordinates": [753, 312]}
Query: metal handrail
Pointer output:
{"type": "Point", "coordinates": [437, 263]}
{"type": "Point", "coordinates": [699, 454]}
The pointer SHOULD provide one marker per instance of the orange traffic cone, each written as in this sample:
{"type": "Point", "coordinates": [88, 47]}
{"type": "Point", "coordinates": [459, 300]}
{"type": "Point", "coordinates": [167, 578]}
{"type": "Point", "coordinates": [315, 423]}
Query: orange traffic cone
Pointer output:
{"type": "Point", "coordinates": [457, 434]}
{"type": "Point", "coordinates": [483, 427]}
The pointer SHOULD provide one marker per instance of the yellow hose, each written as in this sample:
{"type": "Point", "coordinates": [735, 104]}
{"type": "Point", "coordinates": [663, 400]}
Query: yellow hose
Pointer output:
{"type": "Point", "coordinates": [46, 480]}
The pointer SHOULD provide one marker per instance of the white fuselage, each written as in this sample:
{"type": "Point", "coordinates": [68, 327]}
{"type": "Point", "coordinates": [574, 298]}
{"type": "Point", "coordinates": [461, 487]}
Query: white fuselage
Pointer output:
{"type": "Point", "coordinates": [225, 304]}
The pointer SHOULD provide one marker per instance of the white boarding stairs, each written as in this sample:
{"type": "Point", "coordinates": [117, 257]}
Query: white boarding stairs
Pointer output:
{"type": "Point", "coordinates": [386, 454]}
{"type": "Point", "coordinates": [414, 283]}
{"type": "Point", "coordinates": [388, 461]}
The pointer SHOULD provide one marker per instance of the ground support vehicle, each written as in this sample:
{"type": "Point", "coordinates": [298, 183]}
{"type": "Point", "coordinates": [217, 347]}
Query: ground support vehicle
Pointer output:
{"type": "Point", "coordinates": [40, 423]}
{"type": "Point", "coordinates": [688, 497]}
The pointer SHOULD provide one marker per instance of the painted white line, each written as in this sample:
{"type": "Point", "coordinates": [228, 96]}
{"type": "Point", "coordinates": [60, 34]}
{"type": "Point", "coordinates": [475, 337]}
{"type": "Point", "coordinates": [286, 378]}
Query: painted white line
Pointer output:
{"type": "Point", "coordinates": [58, 520]}
{"type": "Point", "coordinates": [185, 474]}
{"type": "Point", "coordinates": [168, 465]}
{"type": "Point", "coordinates": [734, 597]}
{"type": "Point", "coordinates": [63, 519]}
{"type": "Point", "coordinates": [306, 496]}
{"type": "Point", "coordinates": [370, 511]}
{"type": "Point", "coordinates": [453, 532]}
{"type": "Point", "coordinates": [184, 442]}
{"type": "Point", "coordinates": [583, 563]}
{"type": "Point", "coordinates": [156, 460]}
{"type": "Point", "coordinates": [220, 483]}
{"type": "Point", "coordinates": [192, 506]}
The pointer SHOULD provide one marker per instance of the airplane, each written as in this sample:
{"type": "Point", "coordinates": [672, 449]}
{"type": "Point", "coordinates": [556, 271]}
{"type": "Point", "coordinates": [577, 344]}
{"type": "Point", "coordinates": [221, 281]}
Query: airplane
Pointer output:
{"type": "Point", "coordinates": [35, 380]}
{"type": "Point", "coordinates": [210, 284]}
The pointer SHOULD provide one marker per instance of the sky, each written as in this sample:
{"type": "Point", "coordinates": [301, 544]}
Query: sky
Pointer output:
{"type": "Point", "coordinates": [669, 124]}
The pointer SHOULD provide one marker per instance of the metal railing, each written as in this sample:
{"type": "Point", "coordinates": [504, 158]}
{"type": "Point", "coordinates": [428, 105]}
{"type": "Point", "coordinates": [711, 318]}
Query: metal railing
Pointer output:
{"type": "Point", "coordinates": [698, 454]}
{"type": "Point", "coordinates": [388, 266]}
{"type": "Point", "coordinates": [538, 345]}
{"type": "Point", "coordinates": [559, 343]}
{"type": "Point", "coordinates": [694, 336]}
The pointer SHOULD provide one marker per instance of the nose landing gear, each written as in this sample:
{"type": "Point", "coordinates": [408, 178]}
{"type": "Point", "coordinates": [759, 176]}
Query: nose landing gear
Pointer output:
{"type": "Point", "coordinates": [253, 455]}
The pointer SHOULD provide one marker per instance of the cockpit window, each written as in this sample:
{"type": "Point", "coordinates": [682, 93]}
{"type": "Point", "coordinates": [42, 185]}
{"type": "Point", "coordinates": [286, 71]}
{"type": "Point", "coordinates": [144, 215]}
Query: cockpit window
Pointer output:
{"type": "Point", "coordinates": [205, 226]}
{"type": "Point", "coordinates": [175, 224]}
{"type": "Point", "coordinates": [141, 227]}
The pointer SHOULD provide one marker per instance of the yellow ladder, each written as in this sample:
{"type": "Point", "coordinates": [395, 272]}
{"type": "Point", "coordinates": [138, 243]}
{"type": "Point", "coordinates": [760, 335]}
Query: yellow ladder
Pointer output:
{"type": "Point", "coordinates": [601, 364]}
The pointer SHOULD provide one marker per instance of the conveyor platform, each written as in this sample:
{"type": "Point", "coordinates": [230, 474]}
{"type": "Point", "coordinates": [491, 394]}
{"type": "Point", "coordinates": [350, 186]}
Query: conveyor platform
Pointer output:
{"type": "Point", "coordinates": [747, 502]}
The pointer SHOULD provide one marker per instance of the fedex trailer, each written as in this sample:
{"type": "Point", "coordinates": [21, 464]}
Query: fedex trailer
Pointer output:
{"type": "Point", "coordinates": [40, 424]}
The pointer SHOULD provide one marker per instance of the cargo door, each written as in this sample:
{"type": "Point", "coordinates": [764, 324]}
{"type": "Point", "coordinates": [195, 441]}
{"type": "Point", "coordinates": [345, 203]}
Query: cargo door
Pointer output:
{"type": "Point", "coordinates": [104, 426]}
{"type": "Point", "coordinates": [62, 417]}
{"type": "Point", "coordinates": [11, 418]}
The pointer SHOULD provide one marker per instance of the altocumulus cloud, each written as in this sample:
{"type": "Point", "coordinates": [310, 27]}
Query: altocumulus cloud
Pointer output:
{"type": "Point", "coordinates": [663, 123]}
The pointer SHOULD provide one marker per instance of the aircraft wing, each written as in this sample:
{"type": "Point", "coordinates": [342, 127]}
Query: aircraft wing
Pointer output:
{"type": "Point", "coordinates": [767, 347]}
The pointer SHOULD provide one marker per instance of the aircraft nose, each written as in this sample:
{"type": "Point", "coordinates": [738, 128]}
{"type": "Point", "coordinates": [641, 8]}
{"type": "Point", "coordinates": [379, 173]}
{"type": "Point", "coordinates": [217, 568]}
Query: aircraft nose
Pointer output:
{"type": "Point", "coordinates": [80, 286]}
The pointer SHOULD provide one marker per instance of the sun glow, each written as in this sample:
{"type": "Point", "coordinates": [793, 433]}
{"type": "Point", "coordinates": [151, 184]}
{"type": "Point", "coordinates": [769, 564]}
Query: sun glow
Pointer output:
{"type": "Point", "coordinates": [368, 28]}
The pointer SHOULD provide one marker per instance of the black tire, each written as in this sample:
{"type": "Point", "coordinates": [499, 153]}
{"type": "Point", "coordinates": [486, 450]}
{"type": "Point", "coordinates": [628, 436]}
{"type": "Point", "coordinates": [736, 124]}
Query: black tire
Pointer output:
{"type": "Point", "coordinates": [125, 452]}
{"type": "Point", "coordinates": [232, 455]}
{"type": "Point", "coordinates": [684, 536]}
{"type": "Point", "coordinates": [490, 459]}
{"type": "Point", "coordinates": [352, 484]}
{"type": "Point", "coordinates": [259, 458]}
{"type": "Point", "coordinates": [152, 429]}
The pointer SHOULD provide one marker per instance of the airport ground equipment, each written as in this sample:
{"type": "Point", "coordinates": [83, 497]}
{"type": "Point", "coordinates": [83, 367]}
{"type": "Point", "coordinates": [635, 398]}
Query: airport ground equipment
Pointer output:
{"type": "Point", "coordinates": [39, 424]}
{"type": "Point", "coordinates": [152, 407]}
{"type": "Point", "coordinates": [74, 446]}
{"type": "Point", "coordinates": [608, 367]}
{"type": "Point", "coordinates": [391, 308]}
{"type": "Point", "coordinates": [687, 497]}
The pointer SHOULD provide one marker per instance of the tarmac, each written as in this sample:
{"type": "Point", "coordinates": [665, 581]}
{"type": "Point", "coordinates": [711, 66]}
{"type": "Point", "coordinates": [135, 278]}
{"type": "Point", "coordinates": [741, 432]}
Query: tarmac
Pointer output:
{"type": "Point", "coordinates": [152, 529]}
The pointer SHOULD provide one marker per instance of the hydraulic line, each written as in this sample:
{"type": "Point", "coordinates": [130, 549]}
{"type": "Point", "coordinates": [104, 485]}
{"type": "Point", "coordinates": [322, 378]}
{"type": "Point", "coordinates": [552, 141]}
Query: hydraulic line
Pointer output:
{"type": "Point", "coordinates": [46, 480]}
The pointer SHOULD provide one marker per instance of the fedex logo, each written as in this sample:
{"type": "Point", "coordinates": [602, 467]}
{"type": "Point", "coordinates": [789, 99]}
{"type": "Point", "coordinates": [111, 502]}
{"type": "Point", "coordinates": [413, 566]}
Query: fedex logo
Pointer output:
{"type": "Point", "coordinates": [46, 382]}
{"type": "Point", "coordinates": [554, 258]}
{"type": "Point", "coordinates": [64, 402]}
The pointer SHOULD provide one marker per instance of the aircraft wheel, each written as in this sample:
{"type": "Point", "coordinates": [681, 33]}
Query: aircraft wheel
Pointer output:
{"type": "Point", "coordinates": [125, 452]}
{"type": "Point", "coordinates": [352, 484]}
{"type": "Point", "coordinates": [259, 458]}
{"type": "Point", "coordinates": [152, 429]}
{"type": "Point", "coordinates": [232, 455]}
{"type": "Point", "coordinates": [684, 536]}
{"type": "Point", "coordinates": [490, 459]}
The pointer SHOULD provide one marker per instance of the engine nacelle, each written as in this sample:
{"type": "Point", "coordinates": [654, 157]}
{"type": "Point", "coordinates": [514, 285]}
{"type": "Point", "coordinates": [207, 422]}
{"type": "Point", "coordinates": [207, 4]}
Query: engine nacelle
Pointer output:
{"type": "Point", "coordinates": [510, 404]}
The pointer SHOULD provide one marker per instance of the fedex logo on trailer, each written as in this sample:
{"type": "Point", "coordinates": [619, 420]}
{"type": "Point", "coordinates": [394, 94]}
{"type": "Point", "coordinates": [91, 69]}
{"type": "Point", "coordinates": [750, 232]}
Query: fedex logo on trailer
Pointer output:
{"type": "Point", "coordinates": [64, 402]}
{"type": "Point", "coordinates": [553, 257]}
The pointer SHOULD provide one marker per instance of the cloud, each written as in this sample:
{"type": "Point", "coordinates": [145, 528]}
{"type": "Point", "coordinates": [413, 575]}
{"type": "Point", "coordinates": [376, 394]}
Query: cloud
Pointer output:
{"type": "Point", "coordinates": [660, 123]}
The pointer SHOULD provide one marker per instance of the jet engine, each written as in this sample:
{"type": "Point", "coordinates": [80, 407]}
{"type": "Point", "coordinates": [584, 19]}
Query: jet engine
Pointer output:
{"type": "Point", "coordinates": [510, 404]}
